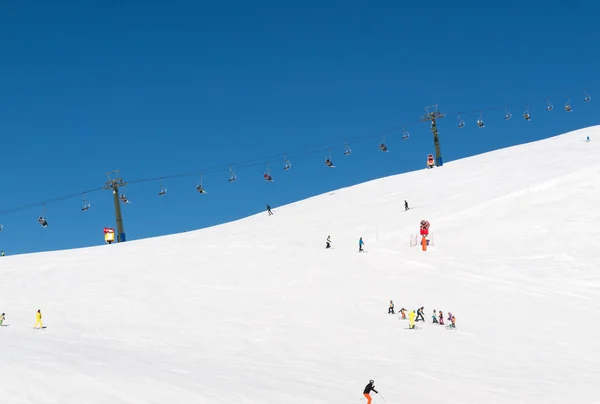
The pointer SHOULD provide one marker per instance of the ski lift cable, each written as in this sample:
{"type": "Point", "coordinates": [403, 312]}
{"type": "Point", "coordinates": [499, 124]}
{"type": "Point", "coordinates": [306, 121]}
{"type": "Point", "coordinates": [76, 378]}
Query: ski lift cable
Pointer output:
{"type": "Point", "coordinates": [310, 150]}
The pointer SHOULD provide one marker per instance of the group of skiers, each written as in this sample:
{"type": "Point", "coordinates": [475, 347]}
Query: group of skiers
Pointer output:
{"type": "Point", "coordinates": [38, 320]}
{"type": "Point", "coordinates": [437, 317]}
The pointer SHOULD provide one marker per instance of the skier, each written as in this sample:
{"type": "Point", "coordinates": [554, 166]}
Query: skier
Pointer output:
{"type": "Point", "coordinates": [441, 318]}
{"type": "Point", "coordinates": [269, 210]}
{"type": "Point", "coordinates": [411, 319]}
{"type": "Point", "coordinates": [405, 205]}
{"type": "Point", "coordinates": [453, 323]}
{"type": "Point", "coordinates": [403, 312]}
{"type": "Point", "coordinates": [38, 319]}
{"type": "Point", "coordinates": [328, 242]}
{"type": "Point", "coordinates": [391, 309]}
{"type": "Point", "coordinates": [449, 316]}
{"type": "Point", "coordinates": [2, 317]}
{"type": "Point", "coordinates": [368, 388]}
{"type": "Point", "coordinates": [434, 317]}
{"type": "Point", "coordinates": [420, 314]}
{"type": "Point", "coordinates": [360, 244]}
{"type": "Point", "coordinates": [587, 139]}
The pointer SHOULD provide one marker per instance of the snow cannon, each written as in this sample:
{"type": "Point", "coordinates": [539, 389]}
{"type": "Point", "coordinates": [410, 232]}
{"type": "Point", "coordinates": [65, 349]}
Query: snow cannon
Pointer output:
{"type": "Point", "coordinates": [109, 235]}
{"type": "Point", "coordinates": [430, 161]}
{"type": "Point", "coordinates": [424, 228]}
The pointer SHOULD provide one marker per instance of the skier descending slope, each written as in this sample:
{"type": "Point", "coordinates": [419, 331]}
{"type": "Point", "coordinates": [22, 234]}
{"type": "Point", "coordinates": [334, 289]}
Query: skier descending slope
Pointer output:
{"type": "Point", "coordinates": [360, 244]}
{"type": "Point", "coordinates": [367, 391]}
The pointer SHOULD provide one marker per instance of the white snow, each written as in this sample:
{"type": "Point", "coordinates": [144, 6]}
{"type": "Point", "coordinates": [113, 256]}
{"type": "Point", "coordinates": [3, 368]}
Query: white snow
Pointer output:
{"type": "Point", "coordinates": [257, 311]}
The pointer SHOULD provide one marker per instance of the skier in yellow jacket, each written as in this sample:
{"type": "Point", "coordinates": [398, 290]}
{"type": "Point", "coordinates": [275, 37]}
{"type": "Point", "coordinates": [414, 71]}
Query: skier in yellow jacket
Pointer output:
{"type": "Point", "coordinates": [38, 319]}
{"type": "Point", "coordinates": [411, 319]}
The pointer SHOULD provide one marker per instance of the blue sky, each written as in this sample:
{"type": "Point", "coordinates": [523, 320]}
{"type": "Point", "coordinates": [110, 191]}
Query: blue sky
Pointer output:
{"type": "Point", "coordinates": [157, 88]}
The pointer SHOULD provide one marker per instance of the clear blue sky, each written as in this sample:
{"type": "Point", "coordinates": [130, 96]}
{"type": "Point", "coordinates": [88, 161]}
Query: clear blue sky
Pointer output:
{"type": "Point", "coordinates": [156, 88]}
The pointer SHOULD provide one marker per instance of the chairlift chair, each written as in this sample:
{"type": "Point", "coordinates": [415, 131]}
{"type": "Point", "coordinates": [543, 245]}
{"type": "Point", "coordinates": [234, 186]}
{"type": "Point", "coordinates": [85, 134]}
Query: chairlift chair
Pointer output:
{"type": "Point", "coordinates": [480, 122]}
{"type": "Point", "coordinates": [86, 205]}
{"type": "Point", "coordinates": [383, 147]}
{"type": "Point", "coordinates": [286, 164]}
{"type": "Point", "coordinates": [568, 106]}
{"type": "Point", "coordinates": [461, 123]}
{"type": "Point", "coordinates": [124, 199]}
{"type": "Point", "coordinates": [232, 176]}
{"type": "Point", "coordinates": [549, 106]}
{"type": "Point", "coordinates": [586, 96]}
{"type": "Point", "coordinates": [347, 149]}
{"type": "Point", "coordinates": [200, 189]}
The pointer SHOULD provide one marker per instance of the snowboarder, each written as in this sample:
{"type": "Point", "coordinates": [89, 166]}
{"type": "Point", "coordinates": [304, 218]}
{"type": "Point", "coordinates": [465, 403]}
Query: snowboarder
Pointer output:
{"type": "Point", "coordinates": [38, 319]}
{"type": "Point", "coordinates": [367, 391]}
{"type": "Point", "coordinates": [360, 244]}
{"type": "Point", "coordinates": [391, 309]}
{"type": "Point", "coordinates": [2, 317]}
{"type": "Point", "coordinates": [328, 242]}
{"type": "Point", "coordinates": [420, 314]}
{"type": "Point", "coordinates": [269, 210]}
{"type": "Point", "coordinates": [411, 319]}
{"type": "Point", "coordinates": [405, 205]}
{"type": "Point", "coordinates": [434, 317]}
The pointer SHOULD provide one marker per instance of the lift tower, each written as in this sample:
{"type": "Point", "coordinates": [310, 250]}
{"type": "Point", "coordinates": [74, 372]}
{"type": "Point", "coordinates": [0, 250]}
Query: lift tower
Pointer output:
{"type": "Point", "coordinates": [114, 182]}
{"type": "Point", "coordinates": [432, 114]}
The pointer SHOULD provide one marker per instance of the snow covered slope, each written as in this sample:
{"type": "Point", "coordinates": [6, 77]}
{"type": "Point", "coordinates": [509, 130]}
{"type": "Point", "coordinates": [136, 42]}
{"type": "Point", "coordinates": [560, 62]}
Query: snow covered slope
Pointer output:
{"type": "Point", "coordinates": [257, 311]}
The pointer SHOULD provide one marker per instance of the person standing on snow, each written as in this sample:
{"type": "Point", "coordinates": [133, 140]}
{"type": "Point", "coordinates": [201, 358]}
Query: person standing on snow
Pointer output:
{"type": "Point", "coordinates": [367, 391]}
{"type": "Point", "coordinates": [2, 317]}
{"type": "Point", "coordinates": [360, 244]}
{"type": "Point", "coordinates": [328, 242]}
{"type": "Point", "coordinates": [411, 320]}
{"type": "Point", "coordinates": [269, 210]}
{"type": "Point", "coordinates": [406, 205]}
{"type": "Point", "coordinates": [420, 314]}
{"type": "Point", "coordinates": [391, 309]}
{"type": "Point", "coordinates": [38, 319]}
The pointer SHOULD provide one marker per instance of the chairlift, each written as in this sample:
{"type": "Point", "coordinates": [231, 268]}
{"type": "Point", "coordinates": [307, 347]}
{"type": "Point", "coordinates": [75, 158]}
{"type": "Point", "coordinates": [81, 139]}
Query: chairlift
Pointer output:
{"type": "Point", "coordinates": [162, 190]}
{"type": "Point", "coordinates": [86, 205]}
{"type": "Point", "coordinates": [568, 106]}
{"type": "Point", "coordinates": [1, 227]}
{"type": "Point", "coordinates": [507, 114]}
{"type": "Point", "coordinates": [286, 163]}
{"type": "Point", "coordinates": [549, 106]}
{"type": "Point", "coordinates": [42, 220]}
{"type": "Point", "coordinates": [461, 123]}
{"type": "Point", "coordinates": [526, 115]}
{"type": "Point", "coordinates": [328, 160]}
{"type": "Point", "coordinates": [124, 199]}
{"type": "Point", "coordinates": [232, 176]}
{"type": "Point", "coordinates": [382, 146]}
{"type": "Point", "coordinates": [480, 121]}
{"type": "Point", "coordinates": [586, 96]}
{"type": "Point", "coordinates": [347, 149]}
{"type": "Point", "coordinates": [405, 134]}
{"type": "Point", "coordinates": [267, 174]}
{"type": "Point", "coordinates": [199, 186]}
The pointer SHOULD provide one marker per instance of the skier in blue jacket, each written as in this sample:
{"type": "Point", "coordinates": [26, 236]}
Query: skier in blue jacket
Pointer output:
{"type": "Point", "coordinates": [360, 244]}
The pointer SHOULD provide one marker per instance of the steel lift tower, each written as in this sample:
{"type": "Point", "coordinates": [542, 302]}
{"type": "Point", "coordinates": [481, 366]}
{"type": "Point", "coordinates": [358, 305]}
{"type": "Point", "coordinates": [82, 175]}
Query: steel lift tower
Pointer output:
{"type": "Point", "coordinates": [432, 114]}
{"type": "Point", "coordinates": [114, 182]}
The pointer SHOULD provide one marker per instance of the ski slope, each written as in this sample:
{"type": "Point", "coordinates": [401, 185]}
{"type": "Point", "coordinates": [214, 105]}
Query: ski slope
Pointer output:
{"type": "Point", "coordinates": [257, 311]}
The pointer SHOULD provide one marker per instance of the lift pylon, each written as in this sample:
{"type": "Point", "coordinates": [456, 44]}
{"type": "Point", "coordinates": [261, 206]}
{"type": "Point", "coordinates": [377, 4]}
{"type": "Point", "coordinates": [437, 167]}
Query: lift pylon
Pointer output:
{"type": "Point", "coordinates": [432, 114]}
{"type": "Point", "coordinates": [115, 182]}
